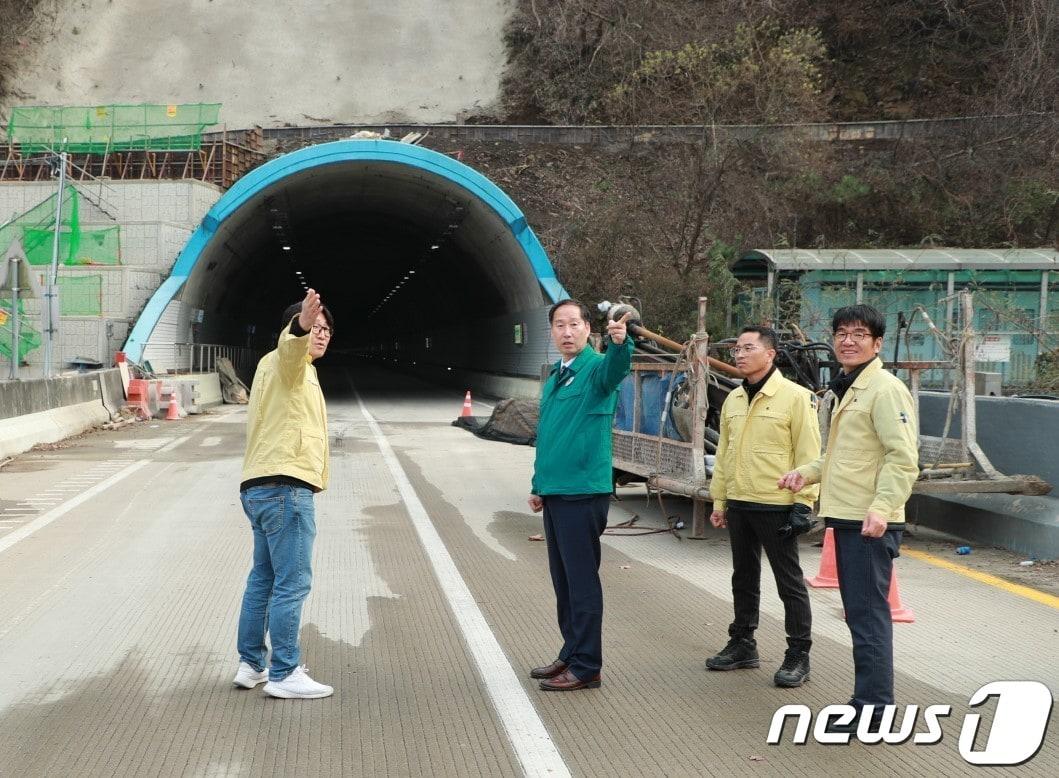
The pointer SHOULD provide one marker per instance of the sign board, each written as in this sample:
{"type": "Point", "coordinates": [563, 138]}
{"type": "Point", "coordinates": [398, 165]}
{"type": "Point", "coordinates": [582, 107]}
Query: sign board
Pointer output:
{"type": "Point", "coordinates": [993, 348]}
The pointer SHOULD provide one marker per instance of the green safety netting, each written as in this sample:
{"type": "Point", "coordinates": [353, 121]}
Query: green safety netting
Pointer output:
{"type": "Point", "coordinates": [36, 226]}
{"type": "Point", "coordinates": [85, 247]}
{"type": "Point", "coordinates": [81, 295]}
{"type": "Point", "coordinates": [28, 337]}
{"type": "Point", "coordinates": [99, 129]}
{"type": "Point", "coordinates": [77, 246]}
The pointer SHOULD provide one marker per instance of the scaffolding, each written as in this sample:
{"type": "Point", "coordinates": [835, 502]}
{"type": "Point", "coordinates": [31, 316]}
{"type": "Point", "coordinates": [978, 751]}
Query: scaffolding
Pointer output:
{"type": "Point", "coordinates": [111, 128]}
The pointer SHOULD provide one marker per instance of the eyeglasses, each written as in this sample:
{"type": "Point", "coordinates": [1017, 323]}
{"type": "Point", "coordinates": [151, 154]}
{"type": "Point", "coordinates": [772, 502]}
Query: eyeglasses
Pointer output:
{"type": "Point", "coordinates": [737, 350]}
{"type": "Point", "coordinates": [320, 329]}
{"type": "Point", "coordinates": [856, 336]}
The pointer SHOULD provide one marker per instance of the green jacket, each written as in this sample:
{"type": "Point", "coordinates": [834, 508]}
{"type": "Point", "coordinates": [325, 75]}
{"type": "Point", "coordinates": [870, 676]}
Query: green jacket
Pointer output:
{"type": "Point", "coordinates": [574, 431]}
{"type": "Point", "coordinates": [287, 428]}
{"type": "Point", "coordinates": [872, 457]}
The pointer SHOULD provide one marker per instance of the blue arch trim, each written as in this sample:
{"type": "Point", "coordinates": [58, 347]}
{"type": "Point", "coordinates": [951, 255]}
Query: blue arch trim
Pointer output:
{"type": "Point", "coordinates": [277, 169]}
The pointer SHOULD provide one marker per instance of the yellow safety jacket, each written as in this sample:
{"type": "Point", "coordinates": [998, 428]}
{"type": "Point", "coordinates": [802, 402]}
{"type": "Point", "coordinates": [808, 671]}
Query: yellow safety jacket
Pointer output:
{"type": "Point", "coordinates": [872, 457]}
{"type": "Point", "coordinates": [287, 429]}
{"type": "Point", "coordinates": [763, 439]}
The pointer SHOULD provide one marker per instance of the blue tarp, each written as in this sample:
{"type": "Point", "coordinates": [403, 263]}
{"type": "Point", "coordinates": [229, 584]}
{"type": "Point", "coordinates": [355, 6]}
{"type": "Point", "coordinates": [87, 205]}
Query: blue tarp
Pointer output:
{"type": "Point", "coordinates": [653, 388]}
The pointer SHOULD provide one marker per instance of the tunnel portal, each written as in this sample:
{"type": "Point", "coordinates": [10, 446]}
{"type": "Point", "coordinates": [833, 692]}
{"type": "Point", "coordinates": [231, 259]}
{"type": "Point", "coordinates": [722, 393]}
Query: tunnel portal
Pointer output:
{"type": "Point", "coordinates": [423, 261]}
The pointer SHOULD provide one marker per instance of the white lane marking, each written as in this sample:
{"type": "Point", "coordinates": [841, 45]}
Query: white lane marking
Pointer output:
{"type": "Point", "coordinates": [211, 441]}
{"type": "Point", "coordinates": [174, 444]}
{"type": "Point", "coordinates": [531, 742]}
{"type": "Point", "coordinates": [59, 511]}
{"type": "Point", "coordinates": [45, 519]}
{"type": "Point", "coordinates": [142, 444]}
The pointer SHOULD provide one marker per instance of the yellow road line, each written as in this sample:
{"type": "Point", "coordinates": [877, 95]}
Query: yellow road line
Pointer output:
{"type": "Point", "coordinates": [1022, 591]}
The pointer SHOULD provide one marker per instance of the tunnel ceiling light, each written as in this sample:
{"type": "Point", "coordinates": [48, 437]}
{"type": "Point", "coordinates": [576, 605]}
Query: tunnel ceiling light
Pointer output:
{"type": "Point", "coordinates": [435, 247]}
{"type": "Point", "coordinates": [411, 272]}
{"type": "Point", "coordinates": [286, 248]}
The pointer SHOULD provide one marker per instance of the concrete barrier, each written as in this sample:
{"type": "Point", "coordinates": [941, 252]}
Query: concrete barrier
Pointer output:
{"type": "Point", "coordinates": [1019, 437]}
{"type": "Point", "coordinates": [207, 392]}
{"type": "Point", "coordinates": [46, 410]}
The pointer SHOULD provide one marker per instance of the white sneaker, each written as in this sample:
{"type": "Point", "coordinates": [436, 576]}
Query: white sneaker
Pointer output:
{"type": "Point", "coordinates": [247, 677]}
{"type": "Point", "coordinates": [298, 686]}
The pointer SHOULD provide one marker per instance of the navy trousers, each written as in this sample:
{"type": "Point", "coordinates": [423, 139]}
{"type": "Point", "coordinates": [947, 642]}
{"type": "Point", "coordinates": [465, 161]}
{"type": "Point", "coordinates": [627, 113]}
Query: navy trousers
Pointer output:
{"type": "Point", "coordinates": [573, 525]}
{"type": "Point", "coordinates": [864, 569]}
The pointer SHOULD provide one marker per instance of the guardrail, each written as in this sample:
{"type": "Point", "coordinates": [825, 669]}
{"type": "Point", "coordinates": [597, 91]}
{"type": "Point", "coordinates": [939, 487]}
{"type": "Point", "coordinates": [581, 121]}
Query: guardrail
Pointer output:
{"type": "Point", "coordinates": [203, 357]}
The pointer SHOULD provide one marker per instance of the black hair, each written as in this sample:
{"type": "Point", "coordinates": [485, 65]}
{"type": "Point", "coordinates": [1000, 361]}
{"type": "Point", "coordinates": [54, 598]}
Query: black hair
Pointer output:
{"type": "Point", "coordinates": [860, 314]}
{"type": "Point", "coordinates": [766, 335]}
{"type": "Point", "coordinates": [296, 309]}
{"type": "Point", "coordinates": [586, 314]}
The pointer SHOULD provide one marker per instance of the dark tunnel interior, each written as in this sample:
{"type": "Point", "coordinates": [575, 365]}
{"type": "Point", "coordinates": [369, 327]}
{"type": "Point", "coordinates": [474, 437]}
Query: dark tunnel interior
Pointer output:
{"type": "Point", "coordinates": [414, 268]}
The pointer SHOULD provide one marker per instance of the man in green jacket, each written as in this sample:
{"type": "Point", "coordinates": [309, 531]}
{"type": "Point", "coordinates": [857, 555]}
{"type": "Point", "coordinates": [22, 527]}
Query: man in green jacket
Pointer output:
{"type": "Point", "coordinates": [572, 484]}
{"type": "Point", "coordinates": [866, 476]}
{"type": "Point", "coordinates": [286, 462]}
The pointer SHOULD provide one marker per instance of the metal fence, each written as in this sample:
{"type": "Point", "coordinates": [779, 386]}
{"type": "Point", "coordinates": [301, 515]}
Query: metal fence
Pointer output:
{"type": "Point", "coordinates": [203, 357]}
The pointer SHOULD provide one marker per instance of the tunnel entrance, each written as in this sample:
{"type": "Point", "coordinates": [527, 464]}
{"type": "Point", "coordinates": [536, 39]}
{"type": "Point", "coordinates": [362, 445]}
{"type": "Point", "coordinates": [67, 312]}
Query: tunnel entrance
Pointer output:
{"type": "Point", "coordinates": [424, 262]}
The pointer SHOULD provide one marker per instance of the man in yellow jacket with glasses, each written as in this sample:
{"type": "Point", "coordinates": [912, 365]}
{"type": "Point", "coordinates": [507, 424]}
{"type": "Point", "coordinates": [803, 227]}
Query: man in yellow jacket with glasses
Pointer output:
{"type": "Point", "coordinates": [768, 426]}
{"type": "Point", "coordinates": [866, 477]}
{"type": "Point", "coordinates": [286, 463]}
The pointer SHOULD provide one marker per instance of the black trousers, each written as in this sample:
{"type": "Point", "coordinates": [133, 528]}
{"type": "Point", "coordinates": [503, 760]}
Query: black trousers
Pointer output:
{"type": "Point", "coordinates": [864, 569]}
{"type": "Point", "coordinates": [572, 527]}
{"type": "Point", "coordinates": [750, 531]}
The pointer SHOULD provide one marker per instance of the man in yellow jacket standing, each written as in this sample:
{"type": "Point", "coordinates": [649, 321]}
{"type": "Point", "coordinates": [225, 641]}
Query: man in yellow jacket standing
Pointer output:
{"type": "Point", "coordinates": [286, 463]}
{"type": "Point", "coordinates": [866, 477]}
{"type": "Point", "coordinates": [768, 426]}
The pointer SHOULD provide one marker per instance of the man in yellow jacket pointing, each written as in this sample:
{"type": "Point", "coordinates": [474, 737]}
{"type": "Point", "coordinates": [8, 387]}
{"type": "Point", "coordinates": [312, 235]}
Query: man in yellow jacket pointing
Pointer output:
{"type": "Point", "coordinates": [768, 426]}
{"type": "Point", "coordinates": [286, 463]}
{"type": "Point", "coordinates": [866, 477]}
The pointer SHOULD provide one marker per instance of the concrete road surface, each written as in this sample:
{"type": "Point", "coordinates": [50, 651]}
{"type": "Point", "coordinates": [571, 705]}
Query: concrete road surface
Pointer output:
{"type": "Point", "coordinates": [122, 561]}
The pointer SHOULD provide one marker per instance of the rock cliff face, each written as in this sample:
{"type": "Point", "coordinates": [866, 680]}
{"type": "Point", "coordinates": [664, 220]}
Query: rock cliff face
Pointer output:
{"type": "Point", "coordinates": [289, 61]}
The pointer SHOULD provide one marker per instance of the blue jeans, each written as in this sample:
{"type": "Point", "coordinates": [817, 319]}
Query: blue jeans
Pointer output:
{"type": "Point", "coordinates": [284, 527]}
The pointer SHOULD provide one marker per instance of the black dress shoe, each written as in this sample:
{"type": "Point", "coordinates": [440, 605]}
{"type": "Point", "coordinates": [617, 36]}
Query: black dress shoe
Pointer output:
{"type": "Point", "coordinates": [568, 682]}
{"type": "Point", "coordinates": [549, 671]}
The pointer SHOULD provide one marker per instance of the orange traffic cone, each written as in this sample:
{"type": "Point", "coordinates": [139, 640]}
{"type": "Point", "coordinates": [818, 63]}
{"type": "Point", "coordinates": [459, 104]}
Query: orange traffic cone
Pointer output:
{"type": "Point", "coordinates": [466, 405]}
{"type": "Point", "coordinates": [898, 612]}
{"type": "Point", "coordinates": [827, 578]}
{"type": "Point", "coordinates": [173, 413]}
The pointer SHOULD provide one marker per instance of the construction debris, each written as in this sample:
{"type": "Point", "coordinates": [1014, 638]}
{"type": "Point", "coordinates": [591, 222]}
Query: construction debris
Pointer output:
{"type": "Point", "coordinates": [233, 390]}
